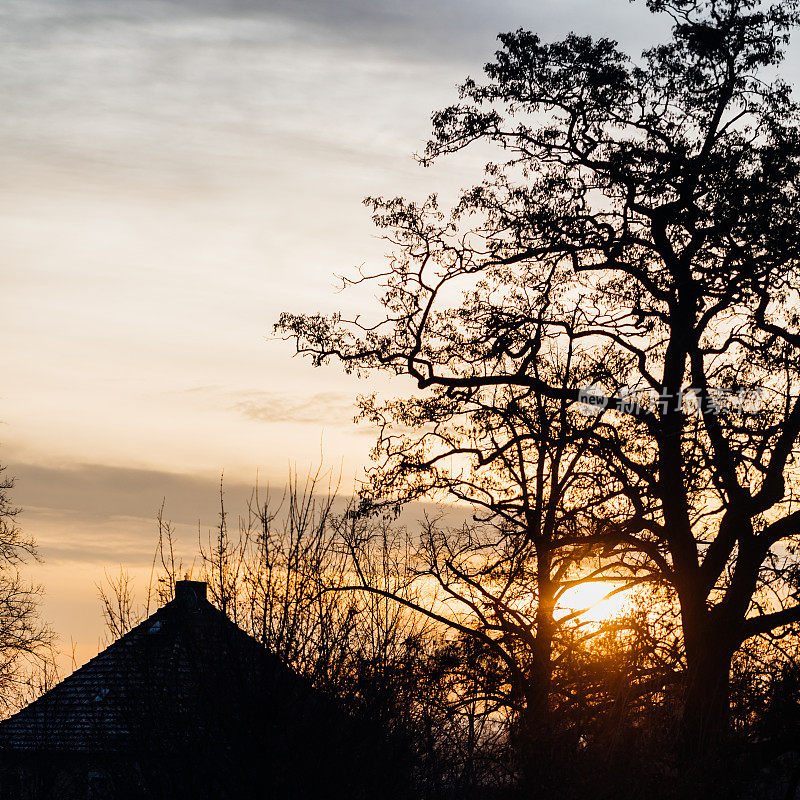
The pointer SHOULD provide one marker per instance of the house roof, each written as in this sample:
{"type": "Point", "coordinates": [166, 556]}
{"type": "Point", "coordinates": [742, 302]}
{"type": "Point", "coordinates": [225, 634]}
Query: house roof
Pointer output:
{"type": "Point", "coordinates": [168, 671]}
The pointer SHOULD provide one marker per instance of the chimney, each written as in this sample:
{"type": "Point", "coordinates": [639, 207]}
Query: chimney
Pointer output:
{"type": "Point", "coordinates": [190, 593]}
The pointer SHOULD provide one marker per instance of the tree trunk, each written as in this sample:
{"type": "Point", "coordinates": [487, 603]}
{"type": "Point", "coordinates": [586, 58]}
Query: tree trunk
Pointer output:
{"type": "Point", "coordinates": [704, 722]}
{"type": "Point", "coordinates": [536, 746]}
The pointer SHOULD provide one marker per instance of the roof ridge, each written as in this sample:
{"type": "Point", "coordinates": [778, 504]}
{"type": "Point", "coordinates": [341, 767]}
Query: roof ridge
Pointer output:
{"type": "Point", "coordinates": [86, 710]}
{"type": "Point", "coordinates": [108, 651]}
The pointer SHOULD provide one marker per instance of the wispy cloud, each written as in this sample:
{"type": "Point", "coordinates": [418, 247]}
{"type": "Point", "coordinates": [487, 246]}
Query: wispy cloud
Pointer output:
{"type": "Point", "coordinates": [334, 408]}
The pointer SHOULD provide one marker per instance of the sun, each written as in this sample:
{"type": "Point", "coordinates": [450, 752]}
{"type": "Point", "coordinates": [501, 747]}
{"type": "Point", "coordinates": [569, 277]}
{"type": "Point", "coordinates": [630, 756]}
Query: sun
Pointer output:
{"type": "Point", "coordinates": [591, 600]}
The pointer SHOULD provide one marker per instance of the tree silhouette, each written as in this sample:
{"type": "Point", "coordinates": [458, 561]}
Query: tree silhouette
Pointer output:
{"type": "Point", "coordinates": [523, 464]}
{"type": "Point", "coordinates": [27, 664]}
{"type": "Point", "coordinates": [643, 214]}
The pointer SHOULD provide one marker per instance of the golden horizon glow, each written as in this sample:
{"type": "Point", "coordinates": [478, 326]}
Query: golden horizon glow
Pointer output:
{"type": "Point", "coordinates": [175, 176]}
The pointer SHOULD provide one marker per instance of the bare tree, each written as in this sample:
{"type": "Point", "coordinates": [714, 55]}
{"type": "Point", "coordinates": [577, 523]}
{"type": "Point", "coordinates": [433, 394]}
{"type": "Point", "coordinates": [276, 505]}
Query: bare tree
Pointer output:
{"type": "Point", "coordinates": [284, 573]}
{"type": "Point", "coordinates": [27, 659]}
{"type": "Point", "coordinates": [645, 212]}
{"type": "Point", "coordinates": [121, 612]}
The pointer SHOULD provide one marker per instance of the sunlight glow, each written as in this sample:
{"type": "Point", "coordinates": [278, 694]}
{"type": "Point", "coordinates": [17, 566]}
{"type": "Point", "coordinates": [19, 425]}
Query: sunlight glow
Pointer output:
{"type": "Point", "coordinates": [592, 597]}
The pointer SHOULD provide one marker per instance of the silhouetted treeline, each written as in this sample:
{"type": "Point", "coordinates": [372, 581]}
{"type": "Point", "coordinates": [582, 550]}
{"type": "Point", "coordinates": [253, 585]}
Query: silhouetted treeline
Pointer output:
{"type": "Point", "coordinates": [601, 341]}
{"type": "Point", "coordinates": [366, 629]}
{"type": "Point", "coordinates": [600, 344]}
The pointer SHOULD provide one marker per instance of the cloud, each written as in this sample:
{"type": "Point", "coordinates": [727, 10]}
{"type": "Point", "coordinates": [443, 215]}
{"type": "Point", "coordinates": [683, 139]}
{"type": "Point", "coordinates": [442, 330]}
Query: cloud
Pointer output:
{"type": "Point", "coordinates": [335, 408]}
{"type": "Point", "coordinates": [435, 30]}
{"type": "Point", "coordinates": [101, 514]}
{"type": "Point", "coordinates": [73, 537]}
{"type": "Point", "coordinates": [99, 493]}
{"type": "Point", "coordinates": [228, 90]}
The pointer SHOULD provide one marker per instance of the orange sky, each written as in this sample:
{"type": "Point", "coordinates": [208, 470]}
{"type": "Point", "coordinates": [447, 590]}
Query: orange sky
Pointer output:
{"type": "Point", "coordinates": [174, 176]}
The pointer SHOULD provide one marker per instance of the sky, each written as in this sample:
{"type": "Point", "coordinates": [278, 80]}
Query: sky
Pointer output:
{"type": "Point", "coordinates": [176, 174]}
